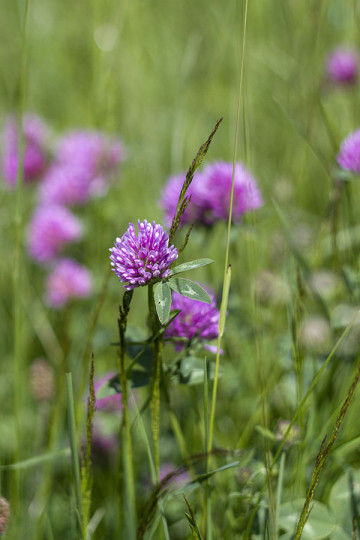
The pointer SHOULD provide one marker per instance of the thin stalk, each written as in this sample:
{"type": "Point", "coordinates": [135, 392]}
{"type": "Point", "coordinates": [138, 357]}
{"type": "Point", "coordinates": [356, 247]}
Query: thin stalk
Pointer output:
{"type": "Point", "coordinates": [279, 489]}
{"type": "Point", "coordinates": [86, 478]}
{"type": "Point", "coordinates": [18, 368]}
{"type": "Point", "coordinates": [223, 306]}
{"type": "Point", "coordinates": [321, 457]}
{"type": "Point", "coordinates": [207, 522]}
{"type": "Point", "coordinates": [152, 466]}
{"type": "Point", "coordinates": [74, 446]}
{"type": "Point", "coordinates": [129, 498]}
{"type": "Point", "coordinates": [334, 209]}
{"type": "Point", "coordinates": [155, 391]}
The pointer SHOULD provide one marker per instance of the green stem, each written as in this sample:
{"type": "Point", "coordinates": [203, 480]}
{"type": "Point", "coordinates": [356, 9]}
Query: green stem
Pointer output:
{"type": "Point", "coordinates": [155, 391]}
{"type": "Point", "coordinates": [129, 499]}
{"type": "Point", "coordinates": [226, 265]}
{"type": "Point", "coordinates": [18, 368]}
{"type": "Point", "coordinates": [74, 446]}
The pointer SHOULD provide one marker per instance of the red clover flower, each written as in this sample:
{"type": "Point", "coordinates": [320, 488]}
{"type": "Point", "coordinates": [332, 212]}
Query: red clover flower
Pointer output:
{"type": "Point", "coordinates": [68, 280]}
{"type": "Point", "coordinates": [143, 258]}
{"type": "Point", "coordinates": [50, 228]}
{"type": "Point", "coordinates": [36, 136]}
{"type": "Point", "coordinates": [196, 319]}
{"type": "Point", "coordinates": [170, 196]}
{"type": "Point", "coordinates": [343, 66]}
{"type": "Point", "coordinates": [83, 164]}
{"type": "Point", "coordinates": [210, 193]}
{"type": "Point", "coordinates": [349, 156]}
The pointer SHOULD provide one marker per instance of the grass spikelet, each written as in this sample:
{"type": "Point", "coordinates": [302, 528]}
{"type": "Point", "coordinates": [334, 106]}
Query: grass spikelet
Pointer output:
{"type": "Point", "coordinates": [324, 451]}
{"type": "Point", "coordinates": [183, 200]}
{"type": "Point", "coordinates": [86, 479]}
{"type": "Point", "coordinates": [192, 521]}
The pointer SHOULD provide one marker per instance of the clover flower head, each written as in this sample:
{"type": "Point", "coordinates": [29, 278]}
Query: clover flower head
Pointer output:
{"type": "Point", "coordinates": [349, 156]}
{"type": "Point", "coordinates": [110, 403]}
{"type": "Point", "coordinates": [68, 280]}
{"type": "Point", "coordinates": [50, 228]}
{"type": "Point", "coordinates": [343, 66]}
{"type": "Point", "coordinates": [170, 196]}
{"type": "Point", "coordinates": [210, 193]}
{"type": "Point", "coordinates": [36, 136]}
{"type": "Point", "coordinates": [139, 259]}
{"type": "Point", "coordinates": [92, 155]}
{"type": "Point", "coordinates": [196, 320]}
{"type": "Point", "coordinates": [65, 185]}
{"type": "Point", "coordinates": [216, 193]}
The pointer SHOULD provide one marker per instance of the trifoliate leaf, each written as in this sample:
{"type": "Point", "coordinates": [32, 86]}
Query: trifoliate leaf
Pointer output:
{"type": "Point", "coordinates": [189, 288]}
{"type": "Point", "coordinates": [190, 265]}
{"type": "Point", "coordinates": [162, 298]}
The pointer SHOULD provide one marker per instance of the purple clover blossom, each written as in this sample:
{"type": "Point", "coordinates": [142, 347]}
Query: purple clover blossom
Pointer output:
{"type": "Point", "coordinates": [170, 196]}
{"type": "Point", "coordinates": [140, 259]}
{"type": "Point", "coordinates": [210, 194]}
{"type": "Point", "coordinates": [195, 320]}
{"type": "Point", "coordinates": [68, 280]}
{"type": "Point", "coordinates": [217, 191]}
{"type": "Point", "coordinates": [343, 66]}
{"type": "Point", "coordinates": [110, 403]}
{"type": "Point", "coordinates": [36, 136]}
{"type": "Point", "coordinates": [65, 185]}
{"type": "Point", "coordinates": [50, 228]}
{"type": "Point", "coordinates": [93, 156]}
{"type": "Point", "coordinates": [349, 156]}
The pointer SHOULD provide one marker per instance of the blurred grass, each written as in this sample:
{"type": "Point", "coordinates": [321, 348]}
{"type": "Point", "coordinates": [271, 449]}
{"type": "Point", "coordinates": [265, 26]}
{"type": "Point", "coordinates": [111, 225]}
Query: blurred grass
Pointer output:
{"type": "Point", "coordinates": [172, 71]}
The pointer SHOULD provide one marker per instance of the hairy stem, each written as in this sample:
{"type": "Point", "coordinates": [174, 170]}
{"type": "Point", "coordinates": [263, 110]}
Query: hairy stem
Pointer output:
{"type": "Point", "coordinates": [155, 390]}
{"type": "Point", "coordinates": [129, 499]}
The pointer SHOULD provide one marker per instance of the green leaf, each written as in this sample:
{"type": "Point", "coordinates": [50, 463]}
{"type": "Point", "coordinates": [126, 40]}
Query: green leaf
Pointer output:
{"type": "Point", "coordinates": [162, 298]}
{"type": "Point", "coordinates": [190, 265]}
{"type": "Point", "coordinates": [190, 289]}
{"type": "Point", "coordinates": [320, 524]}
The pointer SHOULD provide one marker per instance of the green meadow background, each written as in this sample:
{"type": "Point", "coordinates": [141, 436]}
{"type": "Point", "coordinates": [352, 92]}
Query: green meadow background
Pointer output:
{"type": "Point", "coordinates": [159, 74]}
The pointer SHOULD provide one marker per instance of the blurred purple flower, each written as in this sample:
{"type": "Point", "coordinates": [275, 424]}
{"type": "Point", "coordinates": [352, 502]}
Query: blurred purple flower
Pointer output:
{"type": "Point", "coordinates": [210, 194]}
{"type": "Point", "coordinates": [349, 156]}
{"type": "Point", "coordinates": [110, 403]}
{"type": "Point", "coordinates": [36, 136]}
{"type": "Point", "coordinates": [68, 280]}
{"type": "Point", "coordinates": [216, 194]}
{"type": "Point", "coordinates": [65, 185]}
{"type": "Point", "coordinates": [195, 320]}
{"type": "Point", "coordinates": [139, 259]}
{"type": "Point", "coordinates": [84, 161]}
{"type": "Point", "coordinates": [50, 228]}
{"type": "Point", "coordinates": [170, 196]}
{"type": "Point", "coordinates": [343, 65]}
